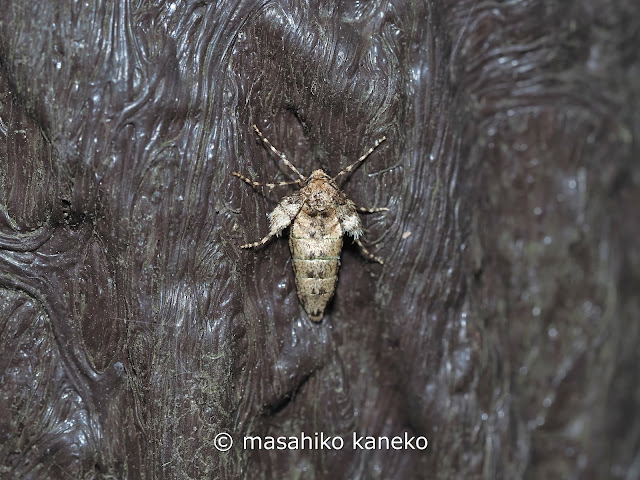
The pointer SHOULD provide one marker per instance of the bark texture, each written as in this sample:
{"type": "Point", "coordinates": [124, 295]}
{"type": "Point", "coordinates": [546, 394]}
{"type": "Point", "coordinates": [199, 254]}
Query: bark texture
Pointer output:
{"type": "Point", "coordinates": [503, 326]}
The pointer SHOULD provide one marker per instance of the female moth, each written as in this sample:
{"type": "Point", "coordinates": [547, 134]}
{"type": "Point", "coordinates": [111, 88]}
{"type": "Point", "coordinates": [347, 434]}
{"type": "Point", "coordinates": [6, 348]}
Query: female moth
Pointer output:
{"type": "Point", "coordinates": [321, 214]}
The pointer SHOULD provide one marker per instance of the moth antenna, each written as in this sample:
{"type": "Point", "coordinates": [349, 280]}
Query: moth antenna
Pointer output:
{"type": "Point", "coordinates": [282, 156]}
{"type": "Point", "coordinates": [351, 167]}
{"type": "Point", "coordinates": [270, 186]}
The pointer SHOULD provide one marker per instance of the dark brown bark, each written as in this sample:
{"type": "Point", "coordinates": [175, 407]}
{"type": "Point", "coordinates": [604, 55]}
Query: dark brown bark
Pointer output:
{"type": "Point", "coordinates": [503, 326]}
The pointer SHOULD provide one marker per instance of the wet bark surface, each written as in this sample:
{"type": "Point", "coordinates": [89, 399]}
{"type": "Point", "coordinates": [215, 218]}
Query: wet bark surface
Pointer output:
{"type": "Point", "coordinates": [503, 326]}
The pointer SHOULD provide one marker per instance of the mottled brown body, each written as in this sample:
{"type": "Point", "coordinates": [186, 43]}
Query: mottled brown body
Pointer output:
{"type": "Point", "coordinates": [315, 241]}
{"type": "Point", "coordinates": [319, 215]}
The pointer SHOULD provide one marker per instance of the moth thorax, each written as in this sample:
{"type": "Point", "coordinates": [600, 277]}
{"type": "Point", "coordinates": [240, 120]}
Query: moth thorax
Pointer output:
{"type": "Point", "coordinates": [319, 199]}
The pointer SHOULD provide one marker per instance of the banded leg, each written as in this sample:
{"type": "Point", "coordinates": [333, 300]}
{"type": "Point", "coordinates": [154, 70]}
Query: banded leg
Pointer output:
{"type": "Point", "coordinates": [260, 242]}
{"type": "Point", "coordinates": [273, 232]}
{"type": "Point", "coordinates": [282, 156]}
{"type": "Point", "coordinates": [280, 218]}
{"type": "Point", "coordinates": [270, 186]}
{"type": "Point", "coordinates": [350, 168]}
{"type": "Point", "coordinates": [367, 253]}
{"type": "Point", "coordinates": [371, 210]}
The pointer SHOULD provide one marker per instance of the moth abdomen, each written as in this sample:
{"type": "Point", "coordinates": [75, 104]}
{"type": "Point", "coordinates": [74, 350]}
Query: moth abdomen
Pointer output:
{"type": "Point", "coordinates": [315, 292]}
{"type": "Point", "coordinates": [315, 268]}
{"type": "Point", "coordinates": [316, 248]}
{"type": "Point", "coordinates": [316, 259]}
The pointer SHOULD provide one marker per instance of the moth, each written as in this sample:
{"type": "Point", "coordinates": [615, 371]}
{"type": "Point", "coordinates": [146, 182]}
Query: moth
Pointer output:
{"type": "Point", "coordinates": [319, 214]}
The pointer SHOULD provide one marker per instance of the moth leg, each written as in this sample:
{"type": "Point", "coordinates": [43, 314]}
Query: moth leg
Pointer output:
{"type": "Point", "coordinates": [349, 218]}
{"type": "Point", "coordinates": [367, 253]}
{"type": "Point", "coordinates": [350, 168]}
{"type": "Point", "coordinates": [282, 156]}
{"type": "Point", "coordinates": [371, 210]}
{"type": "Point", "coordinates": [352, 225]}
{"type": "Point", "coordinates": [270, 186]}
{"type": "Point", "coordinates": [258, 243]}
{"type": "Point", "coordinates": [280, 218]}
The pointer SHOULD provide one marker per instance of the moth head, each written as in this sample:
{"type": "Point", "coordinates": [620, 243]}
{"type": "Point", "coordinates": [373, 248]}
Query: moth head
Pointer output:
{"type": "Point", "coordinates": [318, 175]}
{"type": "Point", "coordinates": [320, 191]}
